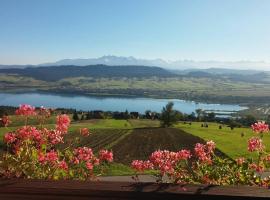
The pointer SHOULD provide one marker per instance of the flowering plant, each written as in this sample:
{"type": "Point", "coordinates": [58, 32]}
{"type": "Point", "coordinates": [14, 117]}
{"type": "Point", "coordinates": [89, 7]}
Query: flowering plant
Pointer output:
{"type": "Point", "coordinates": [33, 152]}
{"type": "Point", "coordinates": [202, 165]}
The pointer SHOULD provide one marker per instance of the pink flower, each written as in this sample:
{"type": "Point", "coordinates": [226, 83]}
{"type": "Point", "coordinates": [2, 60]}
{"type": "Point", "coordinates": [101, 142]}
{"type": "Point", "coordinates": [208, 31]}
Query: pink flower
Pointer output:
{"type": "Point", "coordinates": [255, 144]}
{"type": "Point", "coordinates": [166, 161]}
{"type": "Point", "coordinates": [29, 132]}
{"type": "Point", "coordinates": [240, 161]}
{"type": "Point", "coordinates": [203, 152]}
{"type": "Point", "coordinates": [96, 161]}
{"type": "Point", "coordinates": [54, 136]}
{"type": "Point", "coordinates": [183, 154]}
{"type": "Point", "coordinates": [210, 145]}
{"type": "Point", "coordinates": [84, 132]}
{"type": "Point", "coordinates": [260, 127]}
{"type": "Point", "coordinates": [89, 166]}
{"type": "Point", "coordinates": [62, 123]}
{"type": "Point", "coordinates": [50, 157]}
{"type": "Point", "coordinates": [5, 120]}
{"type": "Point", "coordinates": [105, 155]}
{"type": "Point", "coordinates": [76, 161]}
{"type": "Point", "coordinates": [63, 165]}
{"type": "Point", "coordinates": [25, 110]}
{"type": "Point", "coordinates": [140, 165]}
{"type": "Point", "coordinates": [44, 112]}
{"type": "Point", "coordinates": [10, 138]}
{"type": "Point", "coordinates": [257, 168]}
{"type": "Point", "coordinates": [83, 153]}
{"type": "Point", "coordinates": [41, 158]}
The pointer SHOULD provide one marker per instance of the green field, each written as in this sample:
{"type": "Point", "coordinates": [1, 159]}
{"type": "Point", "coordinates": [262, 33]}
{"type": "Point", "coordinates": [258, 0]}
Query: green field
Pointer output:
{"type": "Point", "coordinates": [136, 139]}
{"type": "Point", "coordinates": [228, 141]}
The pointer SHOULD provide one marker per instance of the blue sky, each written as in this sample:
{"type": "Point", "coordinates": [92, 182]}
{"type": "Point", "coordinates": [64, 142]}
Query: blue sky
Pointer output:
{"type": "Point", "coordinates": [37, 31]}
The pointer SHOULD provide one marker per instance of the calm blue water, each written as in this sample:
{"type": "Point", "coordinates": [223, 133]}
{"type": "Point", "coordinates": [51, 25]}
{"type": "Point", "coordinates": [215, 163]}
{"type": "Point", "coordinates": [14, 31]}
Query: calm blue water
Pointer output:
{"type": "Point", "coordinates": [106, 103]}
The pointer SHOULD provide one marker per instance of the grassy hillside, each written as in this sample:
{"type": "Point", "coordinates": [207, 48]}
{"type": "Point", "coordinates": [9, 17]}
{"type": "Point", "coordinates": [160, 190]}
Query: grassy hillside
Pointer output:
{"type": "Point", "coordinates": [54, 73]}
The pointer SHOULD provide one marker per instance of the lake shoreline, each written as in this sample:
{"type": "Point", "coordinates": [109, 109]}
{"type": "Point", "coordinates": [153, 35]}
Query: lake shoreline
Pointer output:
{"type": "Point", "coordinates": [107, 102]}
{"type": "Point", "coordinates": [196, 98]}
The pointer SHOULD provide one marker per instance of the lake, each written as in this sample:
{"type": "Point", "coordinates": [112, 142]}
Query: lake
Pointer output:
{"type": "Point", "coordinates": [86, 103]}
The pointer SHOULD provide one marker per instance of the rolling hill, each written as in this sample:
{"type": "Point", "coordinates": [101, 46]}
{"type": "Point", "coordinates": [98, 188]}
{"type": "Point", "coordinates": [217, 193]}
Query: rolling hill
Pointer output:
{"type": "Point", "coordinates": [54, 73]}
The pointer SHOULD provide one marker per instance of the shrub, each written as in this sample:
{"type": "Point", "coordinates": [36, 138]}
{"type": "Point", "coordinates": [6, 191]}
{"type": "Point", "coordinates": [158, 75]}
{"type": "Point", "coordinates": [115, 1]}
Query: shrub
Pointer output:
{"type": "Point", "coordinates": [32, 152]}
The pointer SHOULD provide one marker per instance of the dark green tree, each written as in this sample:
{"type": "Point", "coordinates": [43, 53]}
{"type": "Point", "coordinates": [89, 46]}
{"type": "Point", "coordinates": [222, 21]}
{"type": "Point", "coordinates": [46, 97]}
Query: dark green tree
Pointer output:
{"type": "Point", "coordinates": [75, 116]}
{"type": "Point", "coordinates": [233, 124]}
{"type": "Point", "coordinates": [248, 120]}
{"type": "Point", "coordinates": [211, 116]}
{"type": "Point", "coordinates": [168, 115]}
{"type": "Point", "coordinates": [199, 114]}
{"type": "Point", "coordinates": [126, 114]}
{"type": "Point", "coordinates": [82, 116]}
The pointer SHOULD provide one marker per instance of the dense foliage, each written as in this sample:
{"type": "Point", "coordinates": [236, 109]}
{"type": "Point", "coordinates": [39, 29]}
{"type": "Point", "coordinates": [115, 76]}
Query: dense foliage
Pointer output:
{"type": "Point", "coordinates": [169, 116]}
{"type": "Point", "coordinates": [32, 151]}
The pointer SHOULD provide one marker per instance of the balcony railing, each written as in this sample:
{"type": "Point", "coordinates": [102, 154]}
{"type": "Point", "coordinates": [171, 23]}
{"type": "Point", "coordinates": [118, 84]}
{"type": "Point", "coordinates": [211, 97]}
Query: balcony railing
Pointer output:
{"type": "Point", "coordinates": [41, 189]}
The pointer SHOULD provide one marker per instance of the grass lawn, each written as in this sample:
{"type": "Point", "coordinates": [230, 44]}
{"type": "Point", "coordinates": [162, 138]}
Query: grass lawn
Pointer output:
{"type": "Point", "coordinates": [143, 123]}
{"type": "Point", "coordinates": [228, 141]}
{"type": "Point", "coordinates": [101, 124]}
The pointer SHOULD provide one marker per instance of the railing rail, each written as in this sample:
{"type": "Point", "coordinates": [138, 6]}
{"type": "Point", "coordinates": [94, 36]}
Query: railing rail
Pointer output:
{"type": "Point", "coordinates": [41, 189]}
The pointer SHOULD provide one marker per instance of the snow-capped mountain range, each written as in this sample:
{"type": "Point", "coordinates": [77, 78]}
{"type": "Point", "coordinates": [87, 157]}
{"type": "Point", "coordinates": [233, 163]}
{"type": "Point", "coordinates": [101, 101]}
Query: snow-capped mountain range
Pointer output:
{"type": "Point", "coordinates": [178, 64]}
{"type": "Point", "coordinates": [174, 65]}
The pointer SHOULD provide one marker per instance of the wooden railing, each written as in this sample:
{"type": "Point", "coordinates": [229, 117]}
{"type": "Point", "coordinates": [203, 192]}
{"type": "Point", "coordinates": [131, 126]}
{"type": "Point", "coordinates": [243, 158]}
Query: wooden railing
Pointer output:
{"type": "Point", "coordinates": [40, 189]}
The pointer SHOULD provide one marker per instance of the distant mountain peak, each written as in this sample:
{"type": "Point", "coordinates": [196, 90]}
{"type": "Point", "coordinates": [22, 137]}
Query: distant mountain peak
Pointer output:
{"type": "Point", "coordinates": [177, 64]}
{"type": "Point", "coordinates": [185, 64]}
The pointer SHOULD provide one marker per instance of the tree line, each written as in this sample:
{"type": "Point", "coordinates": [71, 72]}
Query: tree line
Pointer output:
{"type": "Point", "coordinates": [168, 116]}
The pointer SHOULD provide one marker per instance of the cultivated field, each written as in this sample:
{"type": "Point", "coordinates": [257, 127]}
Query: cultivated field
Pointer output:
{"type": "Point", "coordinates": [137, 139]}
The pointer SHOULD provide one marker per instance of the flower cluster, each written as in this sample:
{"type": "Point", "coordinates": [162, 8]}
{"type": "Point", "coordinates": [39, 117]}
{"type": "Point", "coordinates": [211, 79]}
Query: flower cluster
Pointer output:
{"type": "Point", "coordinates": [260, 127]}
{"type": "Point", "coordinates": [10, 138]}
{"type": "Point", "coordinates": [32, 152]}
{"type": "Point", "coordinates": [165, 161]}
{"type": "Point", "coordinates": [54, 136]}
{"type": "Point", "coordinates": [255, 144]}
{"type": "Point", "coordinates": [50, 157]}
{"type": "Point", "coordinates": [83, 154]}
{"type": "Point", "coordinates": [204, 152]}
{"type": "Point", "coordinates": [26, 110]}
{"type": "Point", "coordinates": [105, 155]}
{"type": "Point", "coordinates": [63, 165]}
{"type": "Point", "coordinates": [62, 123]}
{"type": "Point", "coordinates": [140, 165]}
{"type": "Point", "coordinates": [5, 121]}
{"type": "Point", "coordinates": [84, 132]}
{"type": "Point", "coordinates": [45, 112]}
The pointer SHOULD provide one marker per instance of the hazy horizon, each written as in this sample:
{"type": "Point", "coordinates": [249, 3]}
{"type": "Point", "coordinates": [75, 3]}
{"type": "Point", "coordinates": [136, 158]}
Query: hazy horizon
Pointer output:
{"type": "Point", "coordinates": [159, 62]}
